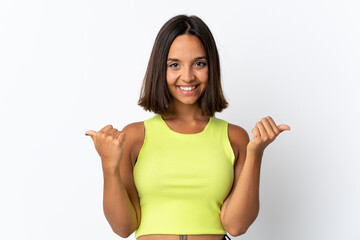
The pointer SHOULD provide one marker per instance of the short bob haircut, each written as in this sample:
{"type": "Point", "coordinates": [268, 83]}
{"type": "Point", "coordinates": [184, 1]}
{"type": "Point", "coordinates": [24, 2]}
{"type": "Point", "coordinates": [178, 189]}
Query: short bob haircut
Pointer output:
{"type": "Point", "coordinates": [155, 95]}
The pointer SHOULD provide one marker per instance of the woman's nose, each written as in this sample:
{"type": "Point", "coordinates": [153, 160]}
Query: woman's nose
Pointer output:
{"type": "Point", "coordinates": [188, 75]}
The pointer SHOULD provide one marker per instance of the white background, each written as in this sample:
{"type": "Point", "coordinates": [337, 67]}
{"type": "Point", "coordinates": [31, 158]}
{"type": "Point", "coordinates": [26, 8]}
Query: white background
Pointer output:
{"type": "Point", "coordinates": [71, 66]}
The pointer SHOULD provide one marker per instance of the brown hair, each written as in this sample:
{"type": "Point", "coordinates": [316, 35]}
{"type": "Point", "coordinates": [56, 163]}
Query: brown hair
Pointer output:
{"type": "Point", "coordinates": [155, 95]}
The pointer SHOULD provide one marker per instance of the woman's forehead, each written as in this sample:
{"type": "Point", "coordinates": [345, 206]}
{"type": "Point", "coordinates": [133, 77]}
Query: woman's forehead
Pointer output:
{"type": "Point", "coordinates": [186, 46]}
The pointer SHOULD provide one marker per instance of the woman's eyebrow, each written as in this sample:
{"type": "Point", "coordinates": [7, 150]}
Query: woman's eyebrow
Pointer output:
{"type": "Point", "coordinates": [202, 57]}
{"type": "Point", "coordinates": [177, 60]}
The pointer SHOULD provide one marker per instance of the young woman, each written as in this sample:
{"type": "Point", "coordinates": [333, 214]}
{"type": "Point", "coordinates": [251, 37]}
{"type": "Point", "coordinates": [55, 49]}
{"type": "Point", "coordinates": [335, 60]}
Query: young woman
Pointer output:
{"type": "Point", "coordinates": [182, 174]}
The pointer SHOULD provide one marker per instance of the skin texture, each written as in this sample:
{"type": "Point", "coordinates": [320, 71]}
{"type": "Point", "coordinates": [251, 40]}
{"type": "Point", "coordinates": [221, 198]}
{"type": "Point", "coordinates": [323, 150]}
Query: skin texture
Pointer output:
{"type": "Point", "coordinates": [186, 66]}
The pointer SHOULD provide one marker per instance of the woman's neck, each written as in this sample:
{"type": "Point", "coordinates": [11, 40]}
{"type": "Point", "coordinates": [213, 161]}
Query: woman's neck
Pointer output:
{"type": "Point", "coordinates": [186, 112]}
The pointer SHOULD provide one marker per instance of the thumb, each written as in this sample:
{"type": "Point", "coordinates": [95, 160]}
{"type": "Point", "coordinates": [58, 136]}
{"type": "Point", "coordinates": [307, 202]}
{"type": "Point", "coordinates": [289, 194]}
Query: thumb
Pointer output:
{"type": "Point", "coordinates": [283, 127]}
{"type": "Point", "coordinates": [90, 133]}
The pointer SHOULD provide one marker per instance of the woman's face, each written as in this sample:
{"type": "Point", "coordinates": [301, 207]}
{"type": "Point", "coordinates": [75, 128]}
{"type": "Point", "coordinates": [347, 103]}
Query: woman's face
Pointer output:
{"type": "Point", "coordinates": [187, 69]}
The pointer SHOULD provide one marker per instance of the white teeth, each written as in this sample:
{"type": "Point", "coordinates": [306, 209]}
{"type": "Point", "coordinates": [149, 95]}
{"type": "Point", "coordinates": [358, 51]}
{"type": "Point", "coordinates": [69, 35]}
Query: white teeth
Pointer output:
{"type": "Point", "coordinates": [187, 88]}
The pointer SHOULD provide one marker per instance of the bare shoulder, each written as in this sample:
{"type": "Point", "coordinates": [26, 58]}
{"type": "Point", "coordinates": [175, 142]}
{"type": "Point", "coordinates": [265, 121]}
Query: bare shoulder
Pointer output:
{"type": "Point", "coordinates": [238, 134]}
{"type": "Point", "coordinates": [238, 137]}
{"type": "Point", "coordinates": [134, 130]}
{"type": "Point", "coordinates": [135, 134]}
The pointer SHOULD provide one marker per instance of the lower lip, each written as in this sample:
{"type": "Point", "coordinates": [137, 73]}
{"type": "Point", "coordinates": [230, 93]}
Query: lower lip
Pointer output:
{"type": "Point", "coordinates": [188, 92]}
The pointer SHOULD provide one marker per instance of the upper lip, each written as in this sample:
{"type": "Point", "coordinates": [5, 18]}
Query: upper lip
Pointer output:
{"type": "Point", "coordinates": [188, 85]}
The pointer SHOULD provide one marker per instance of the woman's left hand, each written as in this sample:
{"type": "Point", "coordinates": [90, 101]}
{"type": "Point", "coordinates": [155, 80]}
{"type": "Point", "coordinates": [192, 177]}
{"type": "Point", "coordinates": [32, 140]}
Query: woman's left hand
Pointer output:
{"type": "Point", "coordinates": [264, 133]}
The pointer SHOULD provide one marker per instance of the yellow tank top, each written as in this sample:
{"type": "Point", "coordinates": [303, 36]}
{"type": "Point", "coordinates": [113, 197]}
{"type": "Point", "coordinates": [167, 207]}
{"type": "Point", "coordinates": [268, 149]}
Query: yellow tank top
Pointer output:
{"type": "Point", "coordinates": [183, 179]}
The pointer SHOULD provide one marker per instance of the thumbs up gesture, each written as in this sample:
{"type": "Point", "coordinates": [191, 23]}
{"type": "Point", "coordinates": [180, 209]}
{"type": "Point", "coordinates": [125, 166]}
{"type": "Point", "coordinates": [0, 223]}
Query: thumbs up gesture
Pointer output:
{"type": "Point", "coordinates": [109, 145]}
{"type": "Point", "coordinates": [265, 133]}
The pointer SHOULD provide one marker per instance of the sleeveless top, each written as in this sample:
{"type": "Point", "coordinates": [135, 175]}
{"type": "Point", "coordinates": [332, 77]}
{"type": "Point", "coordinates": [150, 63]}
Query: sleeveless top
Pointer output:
{"type": "Point", "coordinates": [183, 179]}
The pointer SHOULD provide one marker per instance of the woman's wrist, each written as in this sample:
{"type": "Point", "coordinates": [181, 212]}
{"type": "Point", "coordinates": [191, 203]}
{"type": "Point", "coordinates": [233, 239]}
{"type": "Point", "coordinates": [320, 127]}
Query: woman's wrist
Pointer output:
{"type": "Point", "coordinates": [255, 154]}
{"type": "Point", "coordinates": [111, 172]}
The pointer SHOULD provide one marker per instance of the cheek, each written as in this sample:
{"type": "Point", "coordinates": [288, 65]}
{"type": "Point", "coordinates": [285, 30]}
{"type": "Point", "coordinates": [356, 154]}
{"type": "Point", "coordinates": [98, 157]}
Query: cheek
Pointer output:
{"type": "Point", "coordinates": [171, 77]}
{"type": "Point", "coordinates": [204, 76]}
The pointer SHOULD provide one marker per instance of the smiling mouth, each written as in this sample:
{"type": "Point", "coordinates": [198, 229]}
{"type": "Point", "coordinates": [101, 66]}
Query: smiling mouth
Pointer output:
{"type": "Point", "coordinates": [188, 88]}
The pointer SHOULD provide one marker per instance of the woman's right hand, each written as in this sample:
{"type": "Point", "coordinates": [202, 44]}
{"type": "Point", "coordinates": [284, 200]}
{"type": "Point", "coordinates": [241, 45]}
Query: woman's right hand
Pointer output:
{"type": "Point", "coordinates": [109, 145]}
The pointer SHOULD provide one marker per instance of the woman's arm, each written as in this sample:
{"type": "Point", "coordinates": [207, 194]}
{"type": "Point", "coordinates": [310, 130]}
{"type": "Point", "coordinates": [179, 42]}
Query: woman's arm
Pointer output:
{"type": "Point", "coordinates": [120, 198]}
{"type": "Point", "coordinates": [241, 207]}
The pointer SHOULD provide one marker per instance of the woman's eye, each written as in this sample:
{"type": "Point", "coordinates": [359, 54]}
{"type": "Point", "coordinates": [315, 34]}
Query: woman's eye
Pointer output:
{"type": "Point", "coordinates": [174, 65]}
{"type": "Point", "coordinates": [200, 64]}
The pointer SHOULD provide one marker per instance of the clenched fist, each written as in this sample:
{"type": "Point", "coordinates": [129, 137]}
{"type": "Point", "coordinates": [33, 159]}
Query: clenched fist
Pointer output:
{"type": "Point", "coordinates": [264, 133]}
{"type": "Point", "coordinates": [109, 145]}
